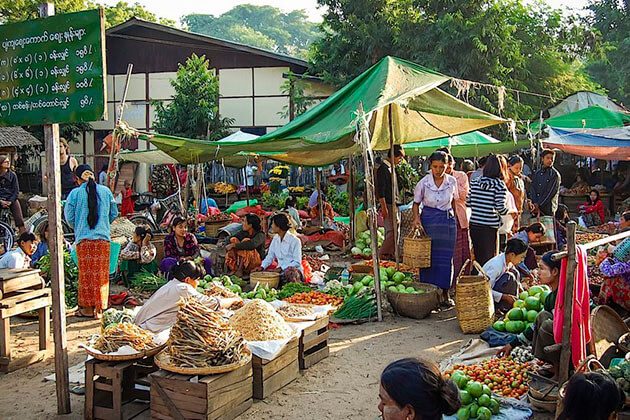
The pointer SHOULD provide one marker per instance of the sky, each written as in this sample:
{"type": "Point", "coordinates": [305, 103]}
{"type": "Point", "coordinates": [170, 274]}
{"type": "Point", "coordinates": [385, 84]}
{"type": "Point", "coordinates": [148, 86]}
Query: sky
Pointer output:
{"type": "Point", "coordinates": [176, 9]}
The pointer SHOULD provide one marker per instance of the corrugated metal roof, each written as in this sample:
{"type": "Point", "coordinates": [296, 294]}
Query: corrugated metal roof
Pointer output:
{"type": "Point", "coordinates": [16, 137]}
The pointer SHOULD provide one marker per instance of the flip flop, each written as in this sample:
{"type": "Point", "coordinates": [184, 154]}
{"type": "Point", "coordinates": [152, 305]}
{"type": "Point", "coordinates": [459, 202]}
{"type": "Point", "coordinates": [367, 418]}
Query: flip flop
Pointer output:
{"type": "Point", "coordinates": [80, 314]}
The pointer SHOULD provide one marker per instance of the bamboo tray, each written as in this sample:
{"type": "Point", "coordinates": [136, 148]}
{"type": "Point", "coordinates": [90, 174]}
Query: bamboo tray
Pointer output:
{"type": "Point", "coordinates": [163, 360]}
{"type": "Point", "coordinates": [124, 357]}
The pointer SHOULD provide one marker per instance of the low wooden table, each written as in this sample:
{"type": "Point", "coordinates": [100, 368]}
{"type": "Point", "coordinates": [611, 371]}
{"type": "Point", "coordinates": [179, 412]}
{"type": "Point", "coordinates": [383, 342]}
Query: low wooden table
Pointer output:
{"type": "Point", "coordinates": [21, 291]}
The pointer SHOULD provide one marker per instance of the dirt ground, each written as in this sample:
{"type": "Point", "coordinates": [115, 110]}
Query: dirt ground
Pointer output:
{"type": "Point", "coordinates": [343, 386]}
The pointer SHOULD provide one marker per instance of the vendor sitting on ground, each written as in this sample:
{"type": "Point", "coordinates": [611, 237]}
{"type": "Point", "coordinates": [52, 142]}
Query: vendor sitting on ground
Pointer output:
{"type": "Point", "coordinates": [615, 288]}
{"type": "Point", "coordinates": [290, 207]}
{"type": "Point", "coordinates": [181, 245]}
{"type": "Point", "coordinates": [504, 275]}
{"type": "Point", "coordinates": [329, 214]}
{"type": "Point", "coordinates": [139, 254]}
{"type": "Point", "coordinates": [624, 222]}
{"type": "Point", "coordinates": [160, 311]}
{"type": "Point", "coordinates": [247, 248]}
{"type": "Point", "coordinates": [541, 336]}
{"type": "Point", "coordinates": [530, 234]}
{"type": "Point", "coordinates": [286, 250]}
{"type": "Point", "coordinates": [592, 396]}
{"type": "Point", "coordinates": [592, 212]}
{"type": "Point", "coordinates": [20, 257]}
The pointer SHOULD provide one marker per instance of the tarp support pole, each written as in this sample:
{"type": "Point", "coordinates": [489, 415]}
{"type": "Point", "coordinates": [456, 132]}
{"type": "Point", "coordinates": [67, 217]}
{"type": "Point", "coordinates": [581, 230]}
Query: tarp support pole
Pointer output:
{"type": "Point", "coordinates": [394, 209]}
{"type": "Point", "coordinates": [565, 350]}
{"type": "Point", "coordinates": [351, 199]}
{"type": "Point", "coordinates": [113, 160]}
{"type": "Point", "coordinates": [364, 142]}
{"type": "Point", "coordinates": [53, 163]}
{"type": "Point", "coordinates": [320, 203]}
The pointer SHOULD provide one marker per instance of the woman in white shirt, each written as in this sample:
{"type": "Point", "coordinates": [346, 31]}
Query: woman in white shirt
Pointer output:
{"type": "Point", "coordinates": [435, 193]}
{"type": "Point", "coordinates": [286, 249]}
{"type": "Point", "coordinates": [504, 276]}
{"type": "Point", "coordinates": [160, 311]}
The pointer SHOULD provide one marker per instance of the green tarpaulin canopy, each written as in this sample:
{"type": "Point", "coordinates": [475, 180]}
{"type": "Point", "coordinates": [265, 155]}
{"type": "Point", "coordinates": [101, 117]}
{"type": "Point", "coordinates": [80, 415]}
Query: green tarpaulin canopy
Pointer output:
{"type": "Point", "coordinates": [399, 97]}
{"type": "Point", "coordinates": [592, 117]}
{"type": "Point", "coordinates": [473, 144]}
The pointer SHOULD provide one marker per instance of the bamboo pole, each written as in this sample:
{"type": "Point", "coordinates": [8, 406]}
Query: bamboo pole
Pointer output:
{"type": "Point", "coordinates": [364, 141]}
{"type": "Point", "coordinates": [320, 204]}
{"type": "Point", "coordinates": [590, 245]}
{"type": "Point", "coordinates": [351, 199]}
{"type": "Point", "coordinates": [394, 209]}
{"type": "Point", "coordinates": [112, 168]}
{"type": "Point", "coordinates": [565, 351]}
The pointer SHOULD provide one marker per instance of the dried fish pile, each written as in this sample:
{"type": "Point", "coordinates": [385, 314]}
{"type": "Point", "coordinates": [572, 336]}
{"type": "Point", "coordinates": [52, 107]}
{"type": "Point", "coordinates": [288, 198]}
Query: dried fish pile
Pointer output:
{"type": "Point", "coordinates": [124, 334]}
{"type": "Point", "coordinates": [202, 338]}
{"type": "Point", "coordinates": [222, 292]}
{"type": "Point", "coordinates": [259, 321]}
{"type": "Point", "coordinates": [293, 311]}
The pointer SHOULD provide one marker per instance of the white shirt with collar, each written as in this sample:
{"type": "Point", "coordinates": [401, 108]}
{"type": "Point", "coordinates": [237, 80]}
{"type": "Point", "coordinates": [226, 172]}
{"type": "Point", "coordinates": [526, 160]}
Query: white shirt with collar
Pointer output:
{"type": "Point", "coordinates": [495, 268]}
{"type": "Point", "coordinates": [15, 259]}
{"type": "Point", "coordinates": [288, 252]}
{"type": "Point", "coordinates": [430, 195]}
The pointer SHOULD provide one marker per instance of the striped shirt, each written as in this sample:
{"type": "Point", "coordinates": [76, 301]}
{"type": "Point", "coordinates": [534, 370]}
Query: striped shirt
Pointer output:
{"type": "Point", "coordinates": [487, 200]}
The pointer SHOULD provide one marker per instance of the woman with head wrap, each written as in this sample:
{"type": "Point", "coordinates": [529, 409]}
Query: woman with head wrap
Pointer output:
{"type": "Point", "coordinates": [90, 208]}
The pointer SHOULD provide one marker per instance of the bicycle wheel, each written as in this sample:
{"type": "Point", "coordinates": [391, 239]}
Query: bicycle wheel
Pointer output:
{"type": "Point", "coordinates": [7, 236]}
{"type": "Point", "coordinates": [39, 224]}
{"type": "Point", "coordinates": [143, 220]}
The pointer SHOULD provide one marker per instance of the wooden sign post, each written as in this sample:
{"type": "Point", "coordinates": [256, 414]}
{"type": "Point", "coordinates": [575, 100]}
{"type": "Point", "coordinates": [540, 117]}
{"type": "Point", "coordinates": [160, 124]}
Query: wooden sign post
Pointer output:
{"type": "Point", "coordinates": [53, 71]}
{"type": "Point", "coordinates": [55, 240]}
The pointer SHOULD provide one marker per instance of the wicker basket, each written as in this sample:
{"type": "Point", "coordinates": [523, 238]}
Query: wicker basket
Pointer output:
{"type": "Point", "coordinates": [473, 301]}
{"type": "Point", "coordinates": [213, 228]}
{"type": "Point", "coordinates": [607, 328]}
{"type": "Point", "coordinates": [264, 277]}
{"type": "Point", "coordinates": [416, 306]}
{"type": "Point", "coordinates": [417, 251]}
{"type": "Point", "coordinates": [542, 405]}
{"type": "Point", "coordinates": [163, 361]}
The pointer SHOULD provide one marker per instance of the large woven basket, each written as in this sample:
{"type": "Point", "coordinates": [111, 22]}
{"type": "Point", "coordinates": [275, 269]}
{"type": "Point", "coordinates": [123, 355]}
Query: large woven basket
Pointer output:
{"type": "Point", "coordinates": [213, 228]}
{"type": "Point", "coordinates": [163, 361]}
{"type": "Point", "coordinates": [264, 277]}
{"type": "Point", "coordinates": [473, 301]}
{"type": "Point", "coordinates": [416, 306]}
{"type": "Point", "coordinates": [417, 251]}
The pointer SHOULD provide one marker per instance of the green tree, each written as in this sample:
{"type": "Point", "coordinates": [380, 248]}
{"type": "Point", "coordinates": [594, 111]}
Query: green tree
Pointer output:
{"type": "Point", "coordinates": [19, 10]}
{"type": "Point", "coordinates": [259, 26]}
{"type": "Point", "coordinates": [530, 47]}
{"type": "Point", "coordinates": [123, 11]}
{"type": "Point", "coordinates": [194, 109]}
{"type": "Point", "coordinates": [609, 64]}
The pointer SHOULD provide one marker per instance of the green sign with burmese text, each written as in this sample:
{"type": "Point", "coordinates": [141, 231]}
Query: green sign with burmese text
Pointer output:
{"type": "Point", "coordinates": [52, 70]}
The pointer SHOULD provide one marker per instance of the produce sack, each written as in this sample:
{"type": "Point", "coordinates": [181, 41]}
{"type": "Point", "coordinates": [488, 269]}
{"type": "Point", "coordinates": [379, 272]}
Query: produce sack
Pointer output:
{"type": "Point", "coordinates": [240, 204]}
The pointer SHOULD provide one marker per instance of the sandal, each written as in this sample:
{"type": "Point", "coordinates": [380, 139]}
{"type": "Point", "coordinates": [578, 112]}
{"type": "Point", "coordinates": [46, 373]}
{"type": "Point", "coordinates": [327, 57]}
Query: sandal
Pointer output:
{"type": "Point", "coordinates": [81, 314]}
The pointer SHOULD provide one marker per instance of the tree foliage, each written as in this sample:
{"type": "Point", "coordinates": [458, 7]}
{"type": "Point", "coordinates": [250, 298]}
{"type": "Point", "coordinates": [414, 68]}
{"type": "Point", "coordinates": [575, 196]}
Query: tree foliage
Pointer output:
{"type": "Point", "coordinates": [19, 10]}
{"type": "Point", "coordinates": [123, 11]}
{"type": "Point", "coordinates": [530, 47]}
{"type": "Point", "coordinates": [194, 109]}
{"type": "Point", "coordinates": [259, 26]}
{"type": "Point", "coordinates": [609, 64]}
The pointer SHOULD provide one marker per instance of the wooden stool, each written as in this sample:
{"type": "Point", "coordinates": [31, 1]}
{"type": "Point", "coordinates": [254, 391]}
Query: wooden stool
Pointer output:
{"type": "Point", "coordinates": [110, 387]}
{"type": "Point", "coordinates": [21, 291]}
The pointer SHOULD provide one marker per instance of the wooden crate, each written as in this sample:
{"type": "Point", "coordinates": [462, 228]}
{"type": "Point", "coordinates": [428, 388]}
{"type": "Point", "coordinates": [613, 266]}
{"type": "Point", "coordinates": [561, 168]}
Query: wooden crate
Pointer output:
{"type": "Point", "coordinates": [225, 396]}
{"type": "Point", "coordinates": [23, 291]}
{"type": "Point", "coordinates": [313, 346]}
{"type": "Point", "coordinates": [110, 388]}
{"type": "Point", "coordinates": [272, 375]}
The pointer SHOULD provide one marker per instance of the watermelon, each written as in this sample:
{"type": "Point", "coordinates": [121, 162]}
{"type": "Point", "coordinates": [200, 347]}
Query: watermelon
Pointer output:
{"type": "Point", "coordinates": [531, 316]}
{"type": "Point", "coordinates": [515, 314]}
{"type": "Point", "coordinates": [356, 250]}
{"type": "Point", "coordinates": [499, 326]}
{"type": "Point", "coordinates": [367, 252]}
{"type": "Point", "coordinates": [398, 277]}
{"type": "Point", "coordinates": [532, 303]}
{"type": "Point", "coordinates": [515, 327]}
{"type": "Point", "coordinates": [535, 290]}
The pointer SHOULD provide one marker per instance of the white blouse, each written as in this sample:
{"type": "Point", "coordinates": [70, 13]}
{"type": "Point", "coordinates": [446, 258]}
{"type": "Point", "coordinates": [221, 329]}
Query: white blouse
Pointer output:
{"type": "Point", "coordinates": [430, 195]}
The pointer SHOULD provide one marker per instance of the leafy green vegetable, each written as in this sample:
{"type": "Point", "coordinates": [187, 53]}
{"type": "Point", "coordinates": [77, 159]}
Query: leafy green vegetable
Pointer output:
{"type": "Point", "coordinates": [146, 282]}
{"type": "Point", "coordinates": [291, 289]}
{"type": "Point", "coordinates": [71, 277]}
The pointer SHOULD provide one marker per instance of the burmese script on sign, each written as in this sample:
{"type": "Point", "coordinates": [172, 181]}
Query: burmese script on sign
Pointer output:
{"type": "Point", "coordinates": [52, 70]}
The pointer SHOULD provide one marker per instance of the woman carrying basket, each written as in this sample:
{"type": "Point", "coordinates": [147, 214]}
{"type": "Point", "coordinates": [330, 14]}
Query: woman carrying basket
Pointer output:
{"type": "Point", "coordinates": [433, 214]}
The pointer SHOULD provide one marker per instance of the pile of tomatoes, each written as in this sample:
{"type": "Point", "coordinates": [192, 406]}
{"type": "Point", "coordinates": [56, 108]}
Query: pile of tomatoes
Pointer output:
{"type": "Point", "coordinates": [504, 376]}
{"type": "Point", "coordinates": [315, 298]}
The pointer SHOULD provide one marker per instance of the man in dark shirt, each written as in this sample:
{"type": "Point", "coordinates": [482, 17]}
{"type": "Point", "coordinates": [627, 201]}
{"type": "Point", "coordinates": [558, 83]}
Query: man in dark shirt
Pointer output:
{"type": "Point", "coordinates": [385, 197]}
{"type": "Point", "coordinates": [545, 187]}
{"type": "Point", "coordinates": [9, 189]}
